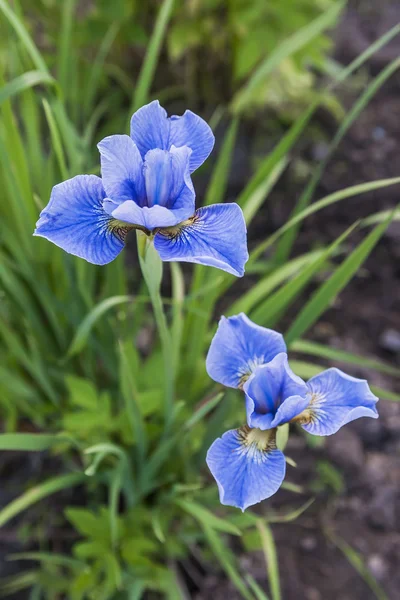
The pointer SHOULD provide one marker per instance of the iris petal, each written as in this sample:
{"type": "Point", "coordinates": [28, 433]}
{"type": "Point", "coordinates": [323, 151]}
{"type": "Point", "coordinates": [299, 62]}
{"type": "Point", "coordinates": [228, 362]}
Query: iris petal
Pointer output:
{"type": "Point", "coordinates": [215, 236]}
{"type": "Point", "coordinates": [151, 128]}
{"type": "Point", "coordinates": [122, 169]}
{"type": "Point", "coordinates": [149, 218]}
{"type": "Point", "coordinates": [336, 399]}
{"type": "Point", "coordinates": [75, 221]}
{"type": "Point", "coordinates": [270, 386]}
{"type": "Point", "coordinates": [247, 467]}
{"type": "Point", "coordinates": [238, 347]}
{"type": "Point", "coordinates": [191, 130]}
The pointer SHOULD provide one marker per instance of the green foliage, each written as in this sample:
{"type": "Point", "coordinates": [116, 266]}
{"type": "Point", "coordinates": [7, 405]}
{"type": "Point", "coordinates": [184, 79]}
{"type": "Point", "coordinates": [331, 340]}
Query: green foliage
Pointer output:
{"type": "Point", "coordinates": [123, 399]}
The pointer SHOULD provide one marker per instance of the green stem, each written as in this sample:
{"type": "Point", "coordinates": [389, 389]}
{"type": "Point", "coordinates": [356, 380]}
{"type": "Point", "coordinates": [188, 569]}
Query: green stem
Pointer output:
{"type": "Point", "coordinates": [151, 266]}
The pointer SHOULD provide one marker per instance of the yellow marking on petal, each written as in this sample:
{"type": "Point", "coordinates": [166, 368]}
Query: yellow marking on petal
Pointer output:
{"type": "Point", "coordinates": [309, 415]}
{"type": "Point", "coordinates": [261, 440]}
{"type": "Point", "coordinates": [175, 230]}
{"type": "Point", "coordinates": [121, 228]}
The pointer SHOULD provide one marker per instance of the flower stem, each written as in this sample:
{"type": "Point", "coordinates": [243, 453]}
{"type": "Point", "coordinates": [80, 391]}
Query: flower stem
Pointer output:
{"type": "Point", "coordinates": [151, 266]}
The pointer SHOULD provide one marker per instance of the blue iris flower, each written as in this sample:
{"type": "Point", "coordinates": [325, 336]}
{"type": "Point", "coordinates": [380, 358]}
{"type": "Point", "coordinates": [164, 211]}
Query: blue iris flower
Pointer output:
{"type": "Point", "coordinates": [246, 463]}
{"type": "Point", "coordinates": [146, 184]}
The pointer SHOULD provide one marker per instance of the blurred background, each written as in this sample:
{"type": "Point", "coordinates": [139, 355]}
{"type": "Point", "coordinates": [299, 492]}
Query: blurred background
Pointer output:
{"type": "Point", "coordinates": [214, 60]}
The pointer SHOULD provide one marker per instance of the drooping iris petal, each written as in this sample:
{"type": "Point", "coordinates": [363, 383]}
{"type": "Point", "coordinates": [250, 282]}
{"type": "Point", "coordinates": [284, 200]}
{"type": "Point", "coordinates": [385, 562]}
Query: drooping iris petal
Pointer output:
{"type": "Point", "coordinates": [151, 128]}
{"type": "Point", "coordinates": [336, 399]}
{"type": "Point", "coordinates": [247, 466]}
{"type": "Point", "coordinates": [122, 169]}
{"type": "Point", "coordinates": [75, 221]}
{"type": "Point", "coordinates": [268, 388]}
{"type": "Point", "coordinates": [238, 347]}
{"type": "Point", "coordinates": [215, 236]}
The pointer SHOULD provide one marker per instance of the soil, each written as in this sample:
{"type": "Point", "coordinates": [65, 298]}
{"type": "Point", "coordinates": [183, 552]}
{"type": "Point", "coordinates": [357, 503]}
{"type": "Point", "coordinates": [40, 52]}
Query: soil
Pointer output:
{"type": "Point", "coordinates": [358, 497]}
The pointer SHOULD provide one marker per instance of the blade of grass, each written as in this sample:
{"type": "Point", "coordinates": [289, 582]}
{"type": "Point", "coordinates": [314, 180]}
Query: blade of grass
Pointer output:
{"type": "Point", "coordinates": [56, 139]}
{"type": "Point", "coordinates": [314, 349]}
{"type": "Point", "coordinates": [269, 311]}
{"type": "Point", "coordinates": [269, 549]}
{"type": "Point", "coordinates": [23, 82]}
{"type": "Point", "coordinates": [349, 192]}
{"type": "Point", "coordinates": [29, 442]}
{"type": "Point", "coordinates": [287, 241]}
{"type": "Point", "coordinates": [260, 290]}
{"type": "Point", "coordinates": [146, 75]}
{"type": "Point", "coordinates": [226, 560]}
{"type": "Point", "coordinates": [37, 493]}
{"type": "Point", "coordinates": [219, 180]}
{"type": "Point", "coordinates": [358, 564]}
{"type": "Point", "coordinates": [86, 326]}
{"type": "Point", "coordinates": [328, 291]}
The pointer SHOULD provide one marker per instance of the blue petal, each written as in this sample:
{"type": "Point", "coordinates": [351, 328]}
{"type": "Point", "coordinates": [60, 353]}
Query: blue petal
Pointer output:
{"type": "Point", "coordinates": [149, 218]}
{"type": "Point", "coordinates": [191, 130]}
{"type": "Point", "coordinates": [238, 347]}
{"type": "Point", "coordinates": [289, 409]}
{"type": "Point", "coordinates": [168, 181]}
{"type": "Point", "coordinates": [122, 169]}
{"type": "Point", "coordinates": [246, 470]}
{"type": "Point", "coordinates": [336, 399]}
{"type": "Point", "coordinates": [75, 221]}
{"type": "Point", "coordinates": [270, 386]}
{"type": "Point", "coordinates": [215, 236]}
{"type": "Point", "coordinates": [151, 128]}
{"type": "Point", "coordinates": [158, 177]}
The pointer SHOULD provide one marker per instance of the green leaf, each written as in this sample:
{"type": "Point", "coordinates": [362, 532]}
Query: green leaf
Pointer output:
{"type": "Point", "coordinates": [29, 442]}
{"type": "Point", "coordinates": [206, 518]}
{"type": "Point", "coordinates": [287, 240]}
{"type": "Point", "coordinates": [271, 559]}
{"type": "Point", "coordinates": [203, 410]}
{"type": "Point", "coordinates": [37, 493]}
{"type": "Point", "coordinates": [146, 75]}
{"type": "Point", "coordinates": [260, 290]}
{"type": "Point", "coordinates": [269, 311]}
{"type": "Point", "coordinates": [328, 291]}
{"type": "Point", "coordinates": [23, 82]}
{"type": "Point", "coordinates": [224, 555]}
{"type": "Point", "coordinates": [358, 564]}
{"type": "Point", "coordinates": [349, 192]}
{"type": "Point", "coordinates": [285, 49]}
{"type": "Point", "coordinates": [219, 180]}
{"type": "Point", "coordinates": [84, 329]}
{"type": "Point", "coordinates": [314, 349]}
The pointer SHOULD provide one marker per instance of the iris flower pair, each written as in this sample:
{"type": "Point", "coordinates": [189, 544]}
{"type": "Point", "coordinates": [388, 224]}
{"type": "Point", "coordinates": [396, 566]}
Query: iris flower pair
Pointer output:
{"type": "Point", "coordinates": [146, 184]}
{"type": "Point", "coordinates": [246, 462]}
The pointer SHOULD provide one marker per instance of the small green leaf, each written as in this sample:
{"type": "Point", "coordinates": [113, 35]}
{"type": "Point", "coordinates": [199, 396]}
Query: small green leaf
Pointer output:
{"type": "Point", "coordinates": [205, 517]}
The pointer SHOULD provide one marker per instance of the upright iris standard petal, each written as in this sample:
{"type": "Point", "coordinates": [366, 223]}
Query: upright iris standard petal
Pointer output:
{"type": "Point", "coordinates": [169, 192]}
{"type": "Point", "coordinates": [191, 130]}
{"type": "Point", "coordinates": [214, 236]}
{"type": "Point", "coordinates": [238, 347]}
{"type": "Point", "coordinates": [247, 466]}
{"type": "Point", "coordinates": [151, 128]}
{"type": "Point", "coordinates": [122, 169]}
{"type": "Point", "coordinates": [270, 387]}
{"type": "Point", "coordinates": [334, 400]}
{"type": "Point", "coordinates": [75, 221]}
